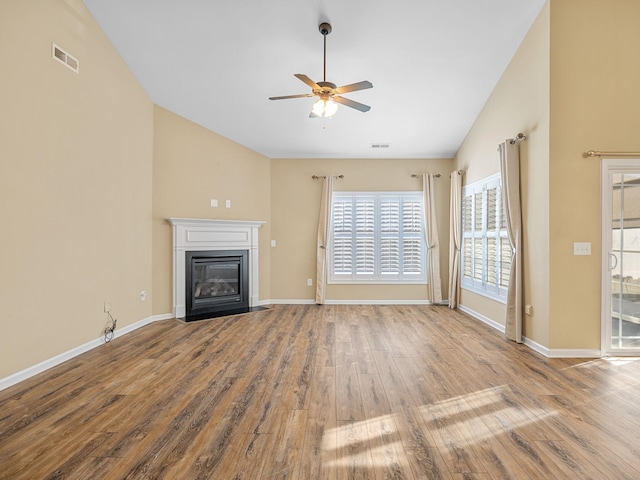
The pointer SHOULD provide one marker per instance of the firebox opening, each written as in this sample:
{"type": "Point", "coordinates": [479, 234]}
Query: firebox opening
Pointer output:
{"type": "Point", "coordinates": [217, 283]}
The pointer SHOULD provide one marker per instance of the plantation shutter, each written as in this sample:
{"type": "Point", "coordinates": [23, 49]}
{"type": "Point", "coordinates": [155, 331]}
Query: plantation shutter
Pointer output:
{"type": "Point", "coordinates": [478, 231]}
{"type": "Point", "coordinates": [492, 261]}
{"type": "Point", "coordinates": [389, 237]}
{"type": "Point", "coordinates": [467, 234]}
{"type": "Point", "coordinates": [377, 238]}
{"type": "Point", "coordinates": [365, 231]}
{"type": "Point", "coordinates": [486, 251]}
{"type": "Point", "coordinates": [343, 228]}
{"type": "Point", "coordinates": [412, 258]}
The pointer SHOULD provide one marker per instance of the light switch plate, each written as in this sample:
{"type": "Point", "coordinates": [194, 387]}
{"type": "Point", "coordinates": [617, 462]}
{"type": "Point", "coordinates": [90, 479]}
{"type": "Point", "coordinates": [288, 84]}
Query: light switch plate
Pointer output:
{"type": "Point", "coordinates": [582, 248]}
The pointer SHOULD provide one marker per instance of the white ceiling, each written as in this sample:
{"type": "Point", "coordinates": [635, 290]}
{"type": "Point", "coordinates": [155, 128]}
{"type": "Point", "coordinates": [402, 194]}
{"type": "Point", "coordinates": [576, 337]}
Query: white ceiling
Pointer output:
{"type": "Point", "coordinates": [433, 64]}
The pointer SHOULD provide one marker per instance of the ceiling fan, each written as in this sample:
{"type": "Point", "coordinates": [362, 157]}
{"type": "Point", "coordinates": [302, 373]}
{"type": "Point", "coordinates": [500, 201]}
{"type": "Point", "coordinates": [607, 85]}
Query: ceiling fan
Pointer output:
{"type": "Point", "coordinates": [329, 96]}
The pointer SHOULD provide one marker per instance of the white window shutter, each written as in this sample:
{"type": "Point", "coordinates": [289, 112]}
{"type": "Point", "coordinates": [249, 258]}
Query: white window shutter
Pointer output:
{"type": "Point", "coordinates": [377, 237]}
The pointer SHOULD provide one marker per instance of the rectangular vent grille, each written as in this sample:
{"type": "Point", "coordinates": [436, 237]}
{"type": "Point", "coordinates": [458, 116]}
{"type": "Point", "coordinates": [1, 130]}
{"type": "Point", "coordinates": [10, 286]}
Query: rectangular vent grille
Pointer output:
{"type": "Point", "coordinates": [63, 57]}
{"type": "Point", "coordinates": [379, 145]}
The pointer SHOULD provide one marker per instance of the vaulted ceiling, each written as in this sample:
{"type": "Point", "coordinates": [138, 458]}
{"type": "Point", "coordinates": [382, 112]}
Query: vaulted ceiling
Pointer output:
{"type": "Point", "coordinates": [433, 64]}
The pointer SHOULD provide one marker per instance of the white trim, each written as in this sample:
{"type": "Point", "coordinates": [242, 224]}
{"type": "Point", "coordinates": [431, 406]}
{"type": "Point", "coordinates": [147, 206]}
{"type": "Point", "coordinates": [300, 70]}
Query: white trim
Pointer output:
{"type": "Point", "coordinates": [379, 302]}
{"type": "Point", "coordinates": [74, 352]}
{"type": "Point", "coordinates": [351, 302]}
{"type": "Point", "coordinates": [575, 353]}
{"type": "Point", "coordinates": [292, 301]}
{"type": "Point", "coordinates": [482, 318]}
{"type": "Point", "coordinates": [542, 350]}
{"type": "Point", "coordinates": [535, 346]}
{"type": "Point", "coordinates": [609, 167]}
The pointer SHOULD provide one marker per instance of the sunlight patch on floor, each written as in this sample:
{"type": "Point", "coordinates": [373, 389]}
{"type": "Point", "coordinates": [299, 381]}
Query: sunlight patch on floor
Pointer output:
{"type": "Point", "coordinates": [369, 442]}
{"type": "Point", "coordinates": [473, 417]}
{"type": "Point", "coordinates": [619, 361]}
{"type": "Point", "coordinates": [477, 416]}
{"type": "Point", "coordinates": [358, 432]}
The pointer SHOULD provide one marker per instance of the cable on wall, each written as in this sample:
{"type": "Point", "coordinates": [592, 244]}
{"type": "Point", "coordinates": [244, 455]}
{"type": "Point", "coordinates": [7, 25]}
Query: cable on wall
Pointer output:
{"type": "Point", "coordinates": [109, 332]}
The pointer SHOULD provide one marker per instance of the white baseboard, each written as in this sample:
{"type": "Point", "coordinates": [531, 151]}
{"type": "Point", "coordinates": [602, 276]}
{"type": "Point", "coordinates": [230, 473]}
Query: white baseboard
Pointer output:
{"type": "Point", "coordinates": [349, 302]}
{"type": "Point", "coordinates": [542, 350]}
{"type": "Point", "coordinates": [482, 318]}
{"type": "Point", "coordinates": [284, 301]}
{"type": "Point", "coordinates": [574, 353]}
{"type": "Point", "coordinates": [74, 352]}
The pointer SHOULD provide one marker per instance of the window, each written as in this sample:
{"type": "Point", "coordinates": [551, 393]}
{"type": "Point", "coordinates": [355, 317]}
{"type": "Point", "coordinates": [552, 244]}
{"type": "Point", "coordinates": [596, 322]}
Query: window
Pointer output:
{"type": "Point", "coordinates": [377, 237]}
{"type": "Point", "coordinates": [486, 251]}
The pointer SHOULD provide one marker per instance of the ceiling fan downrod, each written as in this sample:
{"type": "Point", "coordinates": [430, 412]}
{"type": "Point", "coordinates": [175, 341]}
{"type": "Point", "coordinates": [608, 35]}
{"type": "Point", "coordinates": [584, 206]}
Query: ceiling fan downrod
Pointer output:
{"type": "Point", "coordinates": [325, 29]}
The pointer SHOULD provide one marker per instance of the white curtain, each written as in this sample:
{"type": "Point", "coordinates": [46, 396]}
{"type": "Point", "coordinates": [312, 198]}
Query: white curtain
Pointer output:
{"type": "Point", "coordinates": [431, 236]}
{"type": "Point", "coordinates": [455, 238]}
{"type": "Point", "coordinates": [510, 171]}
{"type": "Point", "coordinates": [323, 238]}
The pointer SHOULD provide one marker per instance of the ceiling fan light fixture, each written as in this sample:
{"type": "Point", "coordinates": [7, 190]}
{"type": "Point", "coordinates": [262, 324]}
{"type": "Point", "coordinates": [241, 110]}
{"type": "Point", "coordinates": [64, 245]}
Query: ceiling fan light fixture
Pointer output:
{"type": "Point", "coordinates": [329, 95]}
{"type": "Point", "coordinates": [324, 107]}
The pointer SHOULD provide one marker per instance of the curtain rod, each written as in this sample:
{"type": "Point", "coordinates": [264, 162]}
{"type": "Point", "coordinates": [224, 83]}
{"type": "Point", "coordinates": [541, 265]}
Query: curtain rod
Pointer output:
{"type": "Point", "coordinates": [517, 138]}
{"type": "Point", "coordinates": [595, 153]}
{"type": "Point", "coordinates": [316, 177]}
{"type": "Point", "coordinates": [415, 175]}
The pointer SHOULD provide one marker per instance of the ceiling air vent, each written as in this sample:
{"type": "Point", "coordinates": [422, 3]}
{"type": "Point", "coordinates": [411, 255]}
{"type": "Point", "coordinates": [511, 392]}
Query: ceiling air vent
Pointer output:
{"type": "Point", "coordinates": [379, 145]}
{"type": "Point", "coordinates": [63, 57]}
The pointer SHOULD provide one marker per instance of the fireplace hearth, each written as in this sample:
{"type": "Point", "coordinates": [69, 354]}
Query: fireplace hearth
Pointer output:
{"type": "Point", "coordinates": [217, 283]}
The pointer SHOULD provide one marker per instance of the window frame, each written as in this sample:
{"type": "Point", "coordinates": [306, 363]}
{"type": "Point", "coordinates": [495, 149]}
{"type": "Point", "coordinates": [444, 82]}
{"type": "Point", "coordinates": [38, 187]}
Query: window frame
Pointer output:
{"type": "Point", "coordinates": [375, 238]}
{"type": "Point", "coordinates": [492, 226]}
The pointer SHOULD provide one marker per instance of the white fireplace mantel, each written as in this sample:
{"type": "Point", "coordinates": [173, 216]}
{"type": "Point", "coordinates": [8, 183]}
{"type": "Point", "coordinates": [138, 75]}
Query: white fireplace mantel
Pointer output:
{"type": "Point", "coordinates": [193, 234]}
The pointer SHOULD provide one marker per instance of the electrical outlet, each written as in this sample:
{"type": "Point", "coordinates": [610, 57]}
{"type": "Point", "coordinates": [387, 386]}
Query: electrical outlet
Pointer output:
{"type": "Point", "coordinates": [107, 307]}
{"type": "Point", "coordinates": [214, 202]}
{"type": "Point", "coordinates": [309, 282]}
{"type": "Point", "coordinates": [273, 243]}
{"type": "Point", "coordinates": [227, 203]}
{"type": "Point", "coordinates": [143, 295]}
{"type": "Point", "coordinates": [528, 310]}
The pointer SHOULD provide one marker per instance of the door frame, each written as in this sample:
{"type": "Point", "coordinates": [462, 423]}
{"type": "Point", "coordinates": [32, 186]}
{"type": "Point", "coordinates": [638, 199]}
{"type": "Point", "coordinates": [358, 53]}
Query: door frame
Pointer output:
{"type": "Point", "coordinates": [610, 166]}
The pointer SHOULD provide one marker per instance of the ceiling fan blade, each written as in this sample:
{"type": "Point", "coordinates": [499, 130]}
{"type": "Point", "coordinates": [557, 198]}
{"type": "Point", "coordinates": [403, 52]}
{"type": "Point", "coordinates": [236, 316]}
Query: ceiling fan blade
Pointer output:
{"type": "Point", "coordinates": [308, 81]}
{"type": "Point", "coordinates": [352, 87]}
{"type": "Point", "coordinates": [350, 103]}
{"type": "Point", "coordinates": [313, 115]}
{"type": "Point", "coordinates": [302, 95]}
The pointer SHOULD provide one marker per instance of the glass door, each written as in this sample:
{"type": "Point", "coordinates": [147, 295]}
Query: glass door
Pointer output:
{"type": "Point", "coordinates": [621, 257]}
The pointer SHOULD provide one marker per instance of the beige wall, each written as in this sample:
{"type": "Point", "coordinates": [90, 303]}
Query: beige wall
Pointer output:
{"type": "Point", "coordinates": [75, 184]}
{"type": "Point", "coordinates": [595, 104]}
{"type": "Point", "coordinates": [295, 205]}
{"type": "Point", "coordinates": [91, 170]}
{"type": "Point", "coordinates": [191, 166]}
{"type": "Point", "coordinates": [519, 103]}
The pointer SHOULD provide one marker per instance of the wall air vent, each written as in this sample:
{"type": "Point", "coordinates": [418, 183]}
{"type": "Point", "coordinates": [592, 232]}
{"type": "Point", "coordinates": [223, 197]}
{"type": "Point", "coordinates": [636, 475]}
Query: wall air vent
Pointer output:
{"type": "Point", "coordinates": [379, 145]}
{"type": "Point", "coordinates": [63, 57]}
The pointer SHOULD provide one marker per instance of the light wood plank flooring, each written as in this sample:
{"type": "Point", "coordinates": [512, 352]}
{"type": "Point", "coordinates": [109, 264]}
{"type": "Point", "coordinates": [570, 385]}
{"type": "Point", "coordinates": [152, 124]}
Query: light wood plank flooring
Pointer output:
{"type": "Point", "coordinates": [323, 392]}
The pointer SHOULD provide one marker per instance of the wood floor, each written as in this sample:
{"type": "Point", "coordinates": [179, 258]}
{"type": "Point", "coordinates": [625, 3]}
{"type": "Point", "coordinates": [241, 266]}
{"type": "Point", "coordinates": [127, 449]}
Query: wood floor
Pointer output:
{"type": "Point", "coordinates": [323, 392]}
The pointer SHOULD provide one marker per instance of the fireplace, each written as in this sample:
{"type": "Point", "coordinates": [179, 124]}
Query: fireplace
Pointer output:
{"type": "Point", "coordinates": [202, 238]}
{"type": "Point", "coordinates": [217, 283]}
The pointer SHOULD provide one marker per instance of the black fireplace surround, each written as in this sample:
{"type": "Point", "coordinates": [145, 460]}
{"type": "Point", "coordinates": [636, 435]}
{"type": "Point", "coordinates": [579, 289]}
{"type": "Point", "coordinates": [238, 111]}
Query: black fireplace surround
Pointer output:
{"type": "Point", "coordinates": [216, 283]}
